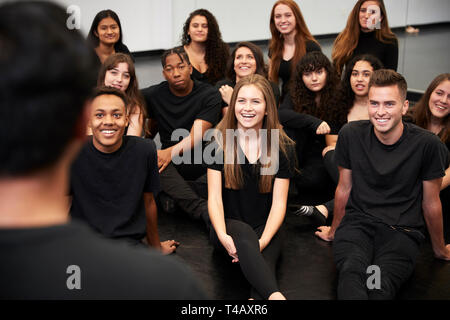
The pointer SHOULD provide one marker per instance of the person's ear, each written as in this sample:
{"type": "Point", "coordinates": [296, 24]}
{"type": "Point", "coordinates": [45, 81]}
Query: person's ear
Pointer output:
{"type": "Point", "coordinates": [405, 107]}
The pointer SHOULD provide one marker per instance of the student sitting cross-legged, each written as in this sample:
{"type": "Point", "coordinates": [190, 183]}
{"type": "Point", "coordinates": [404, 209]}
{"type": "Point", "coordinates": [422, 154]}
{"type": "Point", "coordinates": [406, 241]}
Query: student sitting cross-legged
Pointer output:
{"type": "Point", "coordinates": [182, 109]}
{"type": "Point", "coordinates": [115, 177]}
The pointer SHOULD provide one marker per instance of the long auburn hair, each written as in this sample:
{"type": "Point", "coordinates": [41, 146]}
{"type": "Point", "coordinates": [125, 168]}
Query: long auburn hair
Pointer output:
{"type": "Point", "coordinates": [421, 113]}
{"type": "Point", "coordinates": [347, 41]}
{"type": "Point", "coordinates": [276, 45]}
{"type": "Point", "coordinates": [232, 169]}
{"type": "Point", "coordinates": [331, 106]}
{"type": "Point", "coordinates": [216, 50]}
{"type": "Point", "coordinates": [257, 54]}
{"type": "Point", "coordinates": [134, 95]}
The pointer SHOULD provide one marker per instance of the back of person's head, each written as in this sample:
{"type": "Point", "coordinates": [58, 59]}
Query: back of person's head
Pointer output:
{"type": "Point", "coordinates": [257, 54]}
{"type": "Point", "coordinates": [179, 51]}
{"type": "Point", "coordinates": [93, 38]}
{"type": "Point", "coordinates": [47, 74]}
{"type": "Point", "coordinates": [387, 78]}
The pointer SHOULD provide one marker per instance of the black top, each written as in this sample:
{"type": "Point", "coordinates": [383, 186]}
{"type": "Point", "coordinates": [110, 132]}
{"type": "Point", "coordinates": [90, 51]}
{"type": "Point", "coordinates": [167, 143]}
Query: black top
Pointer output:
{"type": "Point", "coordinates": [35, 265]}
{"type": "Point", "coordinates": [119, 47]}
{"type": "Point", "coordinates": [275, 89]}
{"type": "Point", "coordinates": [386, 52]}
{"type": "Point", "coordinates": [248, 204]}
{"type": "Point", "coordinates": [284, 72]}
{"type": "Point", "coordinates": [387, 179]}
{"type": "Point", "coordinates": [197, 75]}
{"type": "Point", "coordinates": [173, 112]}
{"type": "Point", "coordinates": [309, 145]}
{"type": "Point", "coordinates": [107, 188]}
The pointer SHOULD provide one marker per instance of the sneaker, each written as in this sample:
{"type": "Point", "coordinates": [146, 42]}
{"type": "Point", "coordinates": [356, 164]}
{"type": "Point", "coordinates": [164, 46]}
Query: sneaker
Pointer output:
{"type": "Point", "coordinates": [311, 211]}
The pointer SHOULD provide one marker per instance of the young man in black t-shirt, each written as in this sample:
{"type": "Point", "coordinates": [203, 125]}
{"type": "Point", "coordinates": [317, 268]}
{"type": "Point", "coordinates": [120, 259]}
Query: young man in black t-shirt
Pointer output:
{"type": "Point", "coordinates": [183, 109]}
{"type": "Point", "coordinates": [43, 103]}
{"type": "Point", "coordinates": [115, 177]}
{"type": "Point", "coordinates": [390, 177]}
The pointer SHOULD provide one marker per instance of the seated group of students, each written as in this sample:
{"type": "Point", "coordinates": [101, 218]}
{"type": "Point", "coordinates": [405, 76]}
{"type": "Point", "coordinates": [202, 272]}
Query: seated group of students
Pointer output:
{"type": "Point", "coordinates": [386, 170]}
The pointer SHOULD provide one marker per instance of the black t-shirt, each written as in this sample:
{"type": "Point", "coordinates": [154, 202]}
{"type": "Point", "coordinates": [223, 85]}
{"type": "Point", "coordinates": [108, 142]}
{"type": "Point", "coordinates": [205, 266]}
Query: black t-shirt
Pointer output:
{"type": "Point", "coordinates": [249, 204]}
{"type": "Point", "coordinates": [197, 75]}
{"type": "Point", "coordinates": [35, 265]}
{"type": "Point", "coordinates": [387, 179]}
{"type": "Point", "coordinates": [107, 188]}
{"type": "Point", "coordinates": [386, 52]}
{"type": "Point", "coordinates": [284, 71]}
{"type": "Point", "coordinates": [119, 48]}
{"type": "Point", "coordinates": [275, 90]}
{"type": "Point", "coordinates": [173, 112]}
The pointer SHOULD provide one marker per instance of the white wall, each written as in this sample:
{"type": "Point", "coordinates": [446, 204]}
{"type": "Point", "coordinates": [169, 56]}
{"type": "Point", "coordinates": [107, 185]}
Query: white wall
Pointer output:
{"type": "Point", "coordinates": [157, 24]}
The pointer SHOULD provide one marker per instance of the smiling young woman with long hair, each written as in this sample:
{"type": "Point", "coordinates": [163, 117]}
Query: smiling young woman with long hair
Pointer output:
{"type": "Point", "coordinates": [118, 71]}
{"type": "Point", "coordinates": [203, 43]}
{"type": "Point", "coordinates": [105, 35]}
{"type": "Point", "coordinates": [291, 39]}
{"type": "Point", "coordinates": [367, 31]}
{"type": "Point", "coordinates": [247, 205]}
{"type": "Point", "coordinates": [246, 59]}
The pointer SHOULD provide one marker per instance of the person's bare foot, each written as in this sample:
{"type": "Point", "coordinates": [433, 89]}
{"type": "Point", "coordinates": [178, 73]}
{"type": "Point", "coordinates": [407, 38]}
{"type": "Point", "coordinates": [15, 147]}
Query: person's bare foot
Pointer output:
{"type": "Point", "coordinates": [277, 296]}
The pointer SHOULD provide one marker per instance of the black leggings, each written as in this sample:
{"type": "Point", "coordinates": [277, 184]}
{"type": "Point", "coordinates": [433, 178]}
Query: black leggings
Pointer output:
{"type": "Point", "coordinates": [257, 267]}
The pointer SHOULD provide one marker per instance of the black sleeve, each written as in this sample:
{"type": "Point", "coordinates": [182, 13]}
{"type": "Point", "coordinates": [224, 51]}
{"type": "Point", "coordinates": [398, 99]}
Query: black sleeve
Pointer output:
{"type": "Point", "coordinates": [211, 106]}
{"type": "Point", "coordinates": [312, 46]}
{"type": "Point", "coordinates": [152, 182]}
{"type": "Point", "coordinates": [218, 158]}
{"type": "Point", "coordinates": [436, 159]}
{"type": "Point", "coordinates": [220, 83]}
{"type": "Point", "coordinates": [147, 93]}
{"type": "Point", "coordinates": [391, 56]}
{"type": "Point", "coordinates": [286, 163]}
{"type": "Point", "coordinates": [124, 49]}
{"type": "Point", "coordinates": [341, 153]}
{"type": "Point", "coordinates": [276, 92]}
{"type": "Point", "coordinates": [295, 120]}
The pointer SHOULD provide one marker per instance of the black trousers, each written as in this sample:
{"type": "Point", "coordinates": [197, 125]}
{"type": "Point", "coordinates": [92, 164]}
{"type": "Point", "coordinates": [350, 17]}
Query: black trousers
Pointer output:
{"type": "Point", "coordinates": [185, 193]}
{"type": "Point", "coordinates": [361, 242]}
{"type": "Point", "coordinates": [259, 268]}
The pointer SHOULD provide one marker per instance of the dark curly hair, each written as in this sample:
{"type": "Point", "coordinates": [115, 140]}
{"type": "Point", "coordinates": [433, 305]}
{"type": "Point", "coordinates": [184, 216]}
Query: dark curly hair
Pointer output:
{"type": "Point", "coordinates": [332, 104]}
{"type": "Point", "coordinates": [347, 91]}
{"type": "Point", "coordinates": [216, 50]}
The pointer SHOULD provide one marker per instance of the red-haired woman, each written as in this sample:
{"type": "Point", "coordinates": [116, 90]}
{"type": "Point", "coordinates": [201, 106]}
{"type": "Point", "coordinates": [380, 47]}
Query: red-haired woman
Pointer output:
{"type": "Point", "coordinates": [290, 41]}
{"type": "Point", "coordinates": [367, 32]}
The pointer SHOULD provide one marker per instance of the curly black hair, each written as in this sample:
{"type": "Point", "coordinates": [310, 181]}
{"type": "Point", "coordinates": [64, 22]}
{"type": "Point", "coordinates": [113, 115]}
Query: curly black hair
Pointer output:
{"type": "Point", "coordinates": [331, 107]}
{"type": "Point", "coordinates": [217, 51]}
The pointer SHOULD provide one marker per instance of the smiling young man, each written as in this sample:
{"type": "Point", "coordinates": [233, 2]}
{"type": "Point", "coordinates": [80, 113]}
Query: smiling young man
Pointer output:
{"type": "Point", "coordinates": [115, 177]}
{"type": "Point", "coordinates": [187, 105]}
{"type": "Point", "coordinates": [388, 191]}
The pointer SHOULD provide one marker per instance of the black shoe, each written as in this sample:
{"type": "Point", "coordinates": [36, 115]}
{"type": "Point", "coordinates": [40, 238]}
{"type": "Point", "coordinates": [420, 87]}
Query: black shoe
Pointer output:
{"type": "Point", "coordinates": [311, 211]}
